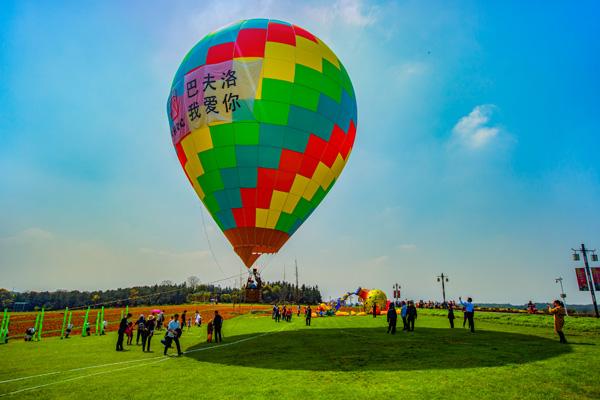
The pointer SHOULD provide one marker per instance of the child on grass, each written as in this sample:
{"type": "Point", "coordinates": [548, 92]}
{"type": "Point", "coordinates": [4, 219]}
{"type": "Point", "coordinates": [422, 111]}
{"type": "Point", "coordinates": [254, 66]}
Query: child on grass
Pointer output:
{"type": "Point", "coordinates": [209, 330]}
{"type": "Point", "coordinates": [129, 333]}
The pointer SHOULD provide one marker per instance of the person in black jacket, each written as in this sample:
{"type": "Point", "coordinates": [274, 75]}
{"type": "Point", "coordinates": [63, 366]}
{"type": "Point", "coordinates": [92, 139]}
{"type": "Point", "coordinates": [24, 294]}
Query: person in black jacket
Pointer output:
{"type": "Point", "coordinates": [140, 327]}
{"type": "Point", "coordinates": [451, 315]}
{"type": "Point", "coordinates": [218, 324]}
{"type": "Point", "coordinates": [148, 332]}
{"type": "Point", "coordinates": [411, 315]}
{"type": "Point", "coordinates": [121, 332]}
{"type": "Point", "coordinates": [375, 310]}
{"type": "Point", "coordinates": [392, 318]}
{"type": "Point", "coordinates": [308, 312]}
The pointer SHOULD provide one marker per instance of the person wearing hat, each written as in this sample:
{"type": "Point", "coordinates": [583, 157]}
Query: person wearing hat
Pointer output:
{"type": "Point", "coordinates": [148, 332]}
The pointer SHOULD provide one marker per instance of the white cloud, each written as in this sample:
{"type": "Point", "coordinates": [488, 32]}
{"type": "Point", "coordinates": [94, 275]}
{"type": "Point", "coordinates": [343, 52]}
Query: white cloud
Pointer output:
{"type": "Point", "coordinates": [28, 235]}
{"type": "Point", "coordinates": [407, 246]}
{"type": "Point", "coordinates": [378, 261]}
{"type": "Point", "coordinates": [353, 12]}
{"type": "Point", "coordinates": [474, 131]}
{"type": "Point", "coordinates": [200, 254]}
{"type": "Point", "coordinates": [350, 12]}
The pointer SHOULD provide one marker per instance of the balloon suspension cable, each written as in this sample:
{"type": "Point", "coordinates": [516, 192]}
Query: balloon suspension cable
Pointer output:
{"type": "Point", "coordinates": [273, 255]}
{"type": "Point", "coordinates": [208, 242]}
{"type": "Point", "coordinates": [236, 276]}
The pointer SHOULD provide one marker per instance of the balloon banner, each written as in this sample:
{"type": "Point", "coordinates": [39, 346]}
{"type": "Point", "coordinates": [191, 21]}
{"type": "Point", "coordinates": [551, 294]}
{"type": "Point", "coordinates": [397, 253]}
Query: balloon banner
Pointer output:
{"type": "Point", "coordinates": [596, 277]}
{"type": "Point", "coordinates": [263, 119]}
{"type": "Point", "coordinates": [582, 280]}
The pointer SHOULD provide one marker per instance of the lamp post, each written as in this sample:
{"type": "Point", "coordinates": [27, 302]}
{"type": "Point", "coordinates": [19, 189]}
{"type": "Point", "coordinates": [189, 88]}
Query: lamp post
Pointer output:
{"type": "Point", "coordinates": [563, 296]}
{"type": "Point", "coordinates": [396, 288]}
{"type": "Point", "coordinates": [443, 278]}
{"type": "Point", "coordinates": [585, 252]}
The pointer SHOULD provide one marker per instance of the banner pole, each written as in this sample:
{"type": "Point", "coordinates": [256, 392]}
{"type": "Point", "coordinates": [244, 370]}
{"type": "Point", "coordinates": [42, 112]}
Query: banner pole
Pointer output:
{"type": "Point", "coordinates": [35, 326]}
{"type": "Point", "coordinates": [85, 323]}
{"type": "Point", "coordinates": [5, 337]}
{"type": "Point", "coordinates": [39, 336]}
{"type": "Point", "coordinates": [3, 324]}
{"type": "Point", "coordinates": [102, 322]}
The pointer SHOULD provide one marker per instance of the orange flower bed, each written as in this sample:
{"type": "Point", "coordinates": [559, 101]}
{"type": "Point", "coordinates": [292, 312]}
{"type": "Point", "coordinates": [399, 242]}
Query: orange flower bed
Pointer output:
{"type": "Point", "coordinates": [53, 320]}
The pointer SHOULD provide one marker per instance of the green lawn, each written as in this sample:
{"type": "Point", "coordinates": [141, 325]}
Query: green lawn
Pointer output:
{"type": "Point", "coordinates": [338, 357]}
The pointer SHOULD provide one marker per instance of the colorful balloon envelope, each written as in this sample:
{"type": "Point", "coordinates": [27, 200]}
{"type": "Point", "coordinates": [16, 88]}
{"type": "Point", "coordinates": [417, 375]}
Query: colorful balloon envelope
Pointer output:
{"type": "Point", "coordinates": [263, 119]}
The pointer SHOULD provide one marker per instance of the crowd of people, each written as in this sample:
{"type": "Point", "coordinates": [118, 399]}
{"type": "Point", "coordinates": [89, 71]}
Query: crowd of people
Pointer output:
{"type": "Point", "coordinates": [285, 313]}
{"type": "Point", "coordinates": [147, 327]}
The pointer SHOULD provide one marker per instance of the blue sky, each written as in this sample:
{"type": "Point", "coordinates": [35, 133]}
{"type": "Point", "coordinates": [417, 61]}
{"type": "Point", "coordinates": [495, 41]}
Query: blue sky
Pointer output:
{"type": "Point", "coordinates": [476, 152]}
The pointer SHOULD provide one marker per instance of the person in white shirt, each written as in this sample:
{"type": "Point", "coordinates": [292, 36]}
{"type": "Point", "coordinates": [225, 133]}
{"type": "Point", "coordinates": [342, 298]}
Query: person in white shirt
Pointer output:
{"type": "Point", "coordinates": [469, 311]}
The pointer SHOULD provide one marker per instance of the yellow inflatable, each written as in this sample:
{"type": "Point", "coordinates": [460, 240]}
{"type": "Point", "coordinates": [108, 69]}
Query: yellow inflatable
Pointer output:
{"type": "Point", "coordinates": [375, 296]}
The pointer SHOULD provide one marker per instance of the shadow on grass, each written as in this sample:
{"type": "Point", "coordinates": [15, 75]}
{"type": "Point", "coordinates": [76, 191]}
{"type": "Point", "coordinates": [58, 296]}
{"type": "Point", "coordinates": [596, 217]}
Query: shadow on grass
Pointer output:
{"type": "Point", "coordinates": [373, 349]}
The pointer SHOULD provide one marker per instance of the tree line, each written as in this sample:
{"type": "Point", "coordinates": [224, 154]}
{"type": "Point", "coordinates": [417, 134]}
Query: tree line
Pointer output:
{"type": "Point", "coordinates": [166, 293]}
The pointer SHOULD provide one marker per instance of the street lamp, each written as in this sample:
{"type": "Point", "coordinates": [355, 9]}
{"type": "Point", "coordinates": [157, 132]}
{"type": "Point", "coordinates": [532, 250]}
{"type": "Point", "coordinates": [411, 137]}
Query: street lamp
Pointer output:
{"type": "Point", "coordinates": [584, 252]}
{"type": "Point", "coordinates": [563, 296]}
{"type": "Point", "coordinates": [396, 288]}
{"type": "Point", "coordinates": [443, 278]}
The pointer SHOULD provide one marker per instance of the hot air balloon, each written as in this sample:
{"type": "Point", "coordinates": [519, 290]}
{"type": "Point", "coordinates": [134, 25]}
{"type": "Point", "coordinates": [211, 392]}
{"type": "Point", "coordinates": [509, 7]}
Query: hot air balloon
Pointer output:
{"type": "Point", "coordinates": [263, 119]}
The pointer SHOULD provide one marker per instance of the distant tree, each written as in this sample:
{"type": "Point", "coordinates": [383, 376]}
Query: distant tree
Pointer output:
{"type": "Point", "coordinates": [95, 297]}
{"type": "Point", "coordinates": [225, 298]}
{"type": "Point", "coordinates": [134, 293]}
{"type": "Point", "coordinates": [6, 298]}
{"type": "Point", "coordinates": [193, 282]}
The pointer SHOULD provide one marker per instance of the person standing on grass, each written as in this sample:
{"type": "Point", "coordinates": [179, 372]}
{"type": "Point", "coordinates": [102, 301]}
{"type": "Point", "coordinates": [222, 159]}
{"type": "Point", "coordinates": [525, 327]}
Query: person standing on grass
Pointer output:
{"type": "Point", "coordinates": [140, 327]}
{"type": "Point", "coordinates": [375, 310]}
{"type": "Point", "coordinates": [392, 318]}
{"type": "Point", "coordinates": [171, 337]}
{"type": "Point", "coordinates": [558, 311]}
{"type": "Point", "coordinates": [403, 314]}
{"type": "Point", "coordinates": [469, 312]}
{"type": "Point", "coordinates": [183, 320]}
{"type": "Point", "coordinates": [451, 314]}
{"type": "Point", "coordinates": [218, 324]}
{"type": "Point", "coordinates": [160, 320]}
{"type": "Point", "coordinates": [209, 331]}
{"type": "Point", "coordinates": [308, 315]}
{"type": "Point", "coordinates": [298, 311]}
{"type": "Point", "coordinates": [147, 333]}
{"type": "Point", "coordinates": [129, 333]}
{"type": "Point", "coordinates": [121, 332]}
{"type": "Point", "coordinates": [411, 316]}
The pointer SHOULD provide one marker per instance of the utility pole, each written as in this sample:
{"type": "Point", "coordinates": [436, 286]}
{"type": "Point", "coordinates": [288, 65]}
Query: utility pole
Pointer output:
{"type": "Point", "coordinates": [563, 296]}
{"type": "Point", "coordinates": [284, 288]}
{"type": "Point", "coordinates": [584, 252]}
{"type": "Point", "coordinates": [297, 297]}
{"type": "Point", "coordinates": [443, 278]}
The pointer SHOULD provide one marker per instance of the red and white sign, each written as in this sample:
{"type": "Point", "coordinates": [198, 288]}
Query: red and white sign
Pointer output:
{"type": "Point", "coordinates": [582, 280]}
{"type": "Point", "coordinates": [596, 277]}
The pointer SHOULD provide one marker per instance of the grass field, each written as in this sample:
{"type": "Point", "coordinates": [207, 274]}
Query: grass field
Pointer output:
{"type": "Point", "coordinates": [337, 358]}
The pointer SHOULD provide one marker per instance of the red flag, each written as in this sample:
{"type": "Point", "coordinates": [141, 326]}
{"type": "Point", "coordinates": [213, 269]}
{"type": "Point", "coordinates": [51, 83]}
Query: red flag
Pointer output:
{"type": "Point", "coordinates": [596, 277]}
{"type": "Point", "coordinates": [582, 279]}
